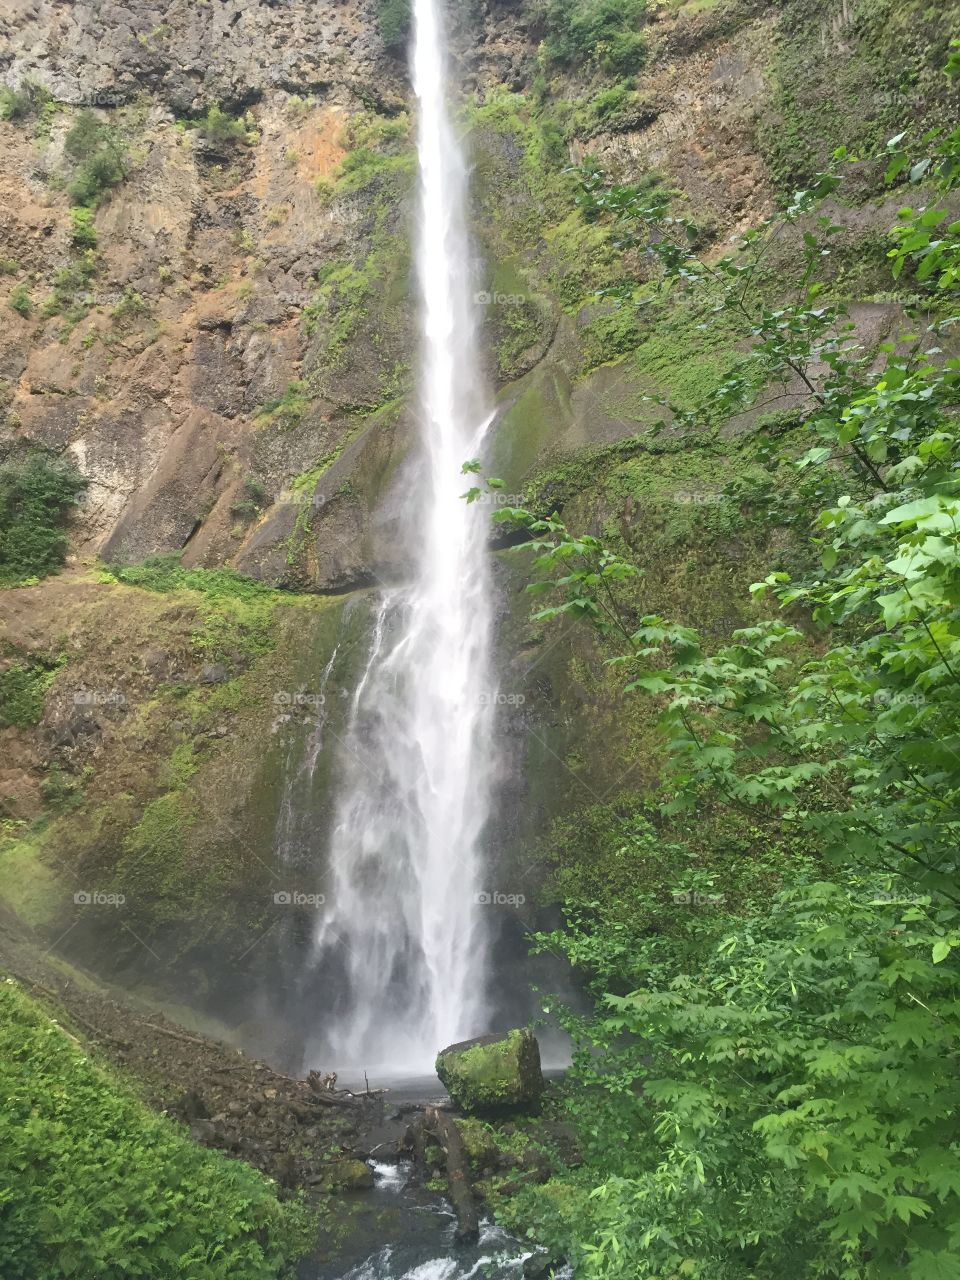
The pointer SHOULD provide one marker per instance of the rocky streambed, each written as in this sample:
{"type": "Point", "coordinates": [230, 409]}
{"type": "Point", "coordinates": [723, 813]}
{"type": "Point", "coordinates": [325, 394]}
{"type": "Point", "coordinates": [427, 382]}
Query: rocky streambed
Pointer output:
{"type": "Point", "coordinates": [404, 1181]}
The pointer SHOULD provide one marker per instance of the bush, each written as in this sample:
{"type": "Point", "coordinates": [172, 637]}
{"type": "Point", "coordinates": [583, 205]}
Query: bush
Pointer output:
{"type": "Point", "coordinates": [106, 1190]}
{"type": "Point", "coordinates": [393, 19]}
{"type": "Point", "coordinates": [20, 300]}
{"type": "Point", "coordinates": [82, 231]}
{"type": "Point", "coordinates": [101, 156]}
{"type": "Point", "coordinates": [218, 126]}
{"type": "Point", "coordinates": [23, 103]}
{"type": "Point", "coordinates": [67, 283]}
{"type": "Point", "coordinates": [783, 1106]}
{"type": "Point", "coordinates": [606, 32]}
{"type": "Point", "coordinates": [22, 692]}
{"type": "Point", "coordinates": [35, 497]}
{"type": "Point", "coordinates": [130, 306]}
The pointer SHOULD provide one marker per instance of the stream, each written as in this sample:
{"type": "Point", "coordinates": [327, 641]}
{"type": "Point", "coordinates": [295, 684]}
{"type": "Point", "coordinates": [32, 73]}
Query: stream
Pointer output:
{"type": "Point", "coordinates": [420, 1225]}
{"type": "Point", "coordinates": [401, 1230]}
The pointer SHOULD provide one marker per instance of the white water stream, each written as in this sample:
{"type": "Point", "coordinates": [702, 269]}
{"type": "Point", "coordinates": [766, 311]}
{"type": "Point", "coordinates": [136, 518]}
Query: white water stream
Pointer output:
{"type": "Point", "coordinates": [402, 932]}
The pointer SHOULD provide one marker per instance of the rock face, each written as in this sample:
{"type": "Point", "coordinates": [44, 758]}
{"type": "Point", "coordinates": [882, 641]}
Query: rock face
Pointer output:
{"type": "Point", "coordinates": [493, 1073]}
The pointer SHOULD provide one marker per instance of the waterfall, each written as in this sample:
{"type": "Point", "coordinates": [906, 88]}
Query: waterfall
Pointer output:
{"type": "Point", "coordinates": [402, 941]}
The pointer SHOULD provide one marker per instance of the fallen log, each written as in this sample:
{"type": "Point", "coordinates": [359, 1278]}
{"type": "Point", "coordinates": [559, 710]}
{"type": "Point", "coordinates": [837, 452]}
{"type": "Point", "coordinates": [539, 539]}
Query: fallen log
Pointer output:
{"type": "Point", "coordinates": [444, 1129]}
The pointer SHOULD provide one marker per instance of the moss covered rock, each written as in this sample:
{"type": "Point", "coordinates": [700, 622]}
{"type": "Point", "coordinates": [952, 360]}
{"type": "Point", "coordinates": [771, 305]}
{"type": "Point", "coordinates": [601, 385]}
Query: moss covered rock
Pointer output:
{"type": "Point", "coordinates": [349, 1175]}
{"type": "Point", "coordinates": [493, 1073]}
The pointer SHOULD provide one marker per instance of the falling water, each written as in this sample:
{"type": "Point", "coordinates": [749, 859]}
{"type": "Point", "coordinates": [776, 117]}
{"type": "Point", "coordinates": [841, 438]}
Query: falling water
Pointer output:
{"type": "Point", "coordinates": [402, 940]}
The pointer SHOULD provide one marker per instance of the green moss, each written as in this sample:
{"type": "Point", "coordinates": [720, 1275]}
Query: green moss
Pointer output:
{"type": "Point", "coordinates": [494, 1076]}
{"type": "Point", "coordinates": [290, 410]}
{"type": "Point", "coordinates": [158, 870]}
{"type": "Point", "coordinates": [27, 884]}
{"type": "Point", "coordinates": [880, 73]}
{"type": "Point", "coordinates": [610, 335]}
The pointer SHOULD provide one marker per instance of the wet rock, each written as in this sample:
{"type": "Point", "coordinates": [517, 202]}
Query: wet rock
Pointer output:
{"type": "Point", "coordinates": [540, 1265]}
{"type": "Point", "coordinates": [493, 1073]}
{"type": "Point", "coordinates": [348, 1175]}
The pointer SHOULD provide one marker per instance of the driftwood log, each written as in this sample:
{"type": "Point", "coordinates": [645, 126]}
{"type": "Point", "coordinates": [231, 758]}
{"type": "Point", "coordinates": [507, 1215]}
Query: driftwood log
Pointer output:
{"type": "Point", "coordinates": [443, 1128]}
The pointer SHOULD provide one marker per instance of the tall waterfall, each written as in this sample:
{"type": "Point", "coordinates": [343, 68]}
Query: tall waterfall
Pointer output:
{"type": "Point", "coordinates": [403, 933]}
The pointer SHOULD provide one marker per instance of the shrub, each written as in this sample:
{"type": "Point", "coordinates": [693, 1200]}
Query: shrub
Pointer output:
{"type": "Point", "coordinates": [218, 126]}
{"type": "Point", "coordinates": [108, 1191]}
{"type": "Point", "coordinates": [35, 497]}
{"type": "Point", "coordinates": [20, 104]}
{"type": "Point", "coordinates": [20, 300]}
{"type": "Point", "coordinates": [67, 283]}
{"type": "Point", "coordinates": [393, 19]}
{"type": "Point", "coordinates": [22, 691]}
{"type": "Point", "coordinates": [603, 31]}
{"type": "Point", "coordinates": [101, 157]}
{"type": "Point", "coordinates": [130, 306]}
{"type": "Point", "coordinates": [82, 231]}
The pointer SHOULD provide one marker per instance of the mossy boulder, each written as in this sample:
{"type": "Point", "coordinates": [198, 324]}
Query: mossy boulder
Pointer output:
{"type": "Point", "coordinates": [493, 1073]}
{"type": "Point", "coordinates": [349, 1175]}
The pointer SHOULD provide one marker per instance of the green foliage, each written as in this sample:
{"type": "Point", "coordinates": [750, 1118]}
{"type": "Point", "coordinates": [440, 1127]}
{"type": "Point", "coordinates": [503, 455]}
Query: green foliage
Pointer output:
{"type": "Point", "coordinates": [101, 158]}
{"type": "Point", "coordinates": [23, 689]}
{"type": "Point", "coordinates": [83, 232]}
{"type": "Point", "coordinates": [607, 32]}
{"type": "Point", "coordinates": [130, 307]}
{"type": "Point", "coordinates": [220, 127]}
{"type": "Point", "coordinates": [237, 611]}
{"type": "Point", "coordinates": [68, 283]}
{"type": "Point", "coordinates": [20, 300]}
{"type": "Point", "coordinates": [773, 1097]}
{"type": "Point", "coordinates": [292, 407]}
{"type": "Point", "coordinates": [393, 19]}
{"type": "Point", "coordinates": [377, 147]}
{"type": "Point", "coordinates": [35, 497]}
{"type": "Point", "coordinates": [166, 573]}
{"type": "Point", "coordinates": [925, 238]}
{"type": "Point", "coordinates": [18, 105]}
{"type": "Point", "coordinates": [792, 1111]}
{"type": "Point", "coordinates": [252, 499]}
{"type": "Point", "coordinates": [96, 1186]}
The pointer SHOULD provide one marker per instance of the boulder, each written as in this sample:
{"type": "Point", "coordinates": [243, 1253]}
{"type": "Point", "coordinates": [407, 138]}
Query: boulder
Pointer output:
{"type": "Point", "coordinates": [493, 1073]}
{"type": "Point", "coordinates": [349, 1175]}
